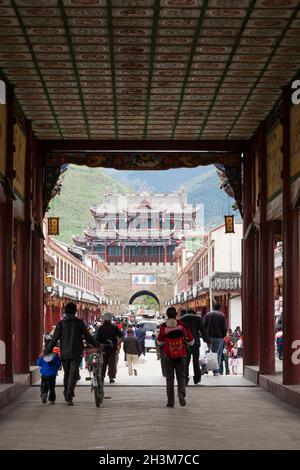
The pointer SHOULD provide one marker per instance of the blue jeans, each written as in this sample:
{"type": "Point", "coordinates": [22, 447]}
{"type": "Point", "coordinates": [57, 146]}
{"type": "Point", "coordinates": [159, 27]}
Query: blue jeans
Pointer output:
{"type": "Point", "coordinates": [217, 345]}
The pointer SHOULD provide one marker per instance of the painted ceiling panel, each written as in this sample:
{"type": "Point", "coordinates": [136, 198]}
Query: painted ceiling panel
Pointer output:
{"type": "Point", "coordinates": [148, 69]}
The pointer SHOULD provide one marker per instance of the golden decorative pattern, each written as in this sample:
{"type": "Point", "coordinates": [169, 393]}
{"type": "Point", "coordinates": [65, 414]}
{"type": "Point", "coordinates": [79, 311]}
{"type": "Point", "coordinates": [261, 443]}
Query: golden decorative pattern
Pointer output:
{"type": "Point", "coordinates": [274, 161]}
{"type": "Point", "coordinates": [295, 141]}
{"type": "Point", "coordinates": [19, 160]}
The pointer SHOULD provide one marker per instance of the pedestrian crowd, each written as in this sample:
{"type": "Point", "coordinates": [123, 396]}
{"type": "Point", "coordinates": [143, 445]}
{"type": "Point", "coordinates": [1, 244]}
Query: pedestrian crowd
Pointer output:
{"type": "Point", "coordinates": [183, 337]}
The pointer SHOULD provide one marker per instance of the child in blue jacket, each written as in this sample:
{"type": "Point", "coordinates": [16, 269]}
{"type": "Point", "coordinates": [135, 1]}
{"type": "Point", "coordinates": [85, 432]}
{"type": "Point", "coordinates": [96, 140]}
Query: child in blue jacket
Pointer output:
{"type": "Point", "coordinates": [49, 365]}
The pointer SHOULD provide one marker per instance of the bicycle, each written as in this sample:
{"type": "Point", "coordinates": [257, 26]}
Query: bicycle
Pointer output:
{"type": "Point", "coordinates": [95, 364]}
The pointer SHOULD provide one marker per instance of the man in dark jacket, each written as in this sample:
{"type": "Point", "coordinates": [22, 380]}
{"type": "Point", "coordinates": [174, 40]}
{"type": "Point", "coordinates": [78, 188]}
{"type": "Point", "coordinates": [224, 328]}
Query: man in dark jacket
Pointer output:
{"type": "Point", "coordinates": [198, 330]}
{"type": "Point", "coordinates": [132, 350]}
{"type": "Point", "coordinates": [70, 332]}
{"type": "Point", "coordinates": [140, 333]}
{"type": "Point", "coordinates": [108, 335]}
{"type": "Point", "coordinates": [215, 325]}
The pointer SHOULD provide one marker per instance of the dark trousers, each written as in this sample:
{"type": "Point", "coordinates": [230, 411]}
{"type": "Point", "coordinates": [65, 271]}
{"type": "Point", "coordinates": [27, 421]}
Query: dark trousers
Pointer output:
{"type": "Point", "coordinates": [163, 363]}
{"type": "Point", "coordinates": [142, 344]}
{"type": "Point", "coordinates": [48, 386]}
{"type": "Point", "coordinates": [178, 366]}
{"type": "Point", "coordinates": [71, 375]}
{"type": "Point", "coordinates": [109, 361]}
{"type": "Point", "coordinates": [224, 360]}
{"type": "Point", "coordinates": [193, 351]}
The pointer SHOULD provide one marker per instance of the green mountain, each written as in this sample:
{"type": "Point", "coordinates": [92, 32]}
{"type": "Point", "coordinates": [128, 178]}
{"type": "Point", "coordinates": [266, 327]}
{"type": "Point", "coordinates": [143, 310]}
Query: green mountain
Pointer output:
{"type": "Point", "coordinates": [205, 189]}
{"type": "Point", "coordinates": [201, 184]}
{"type": "Point", "coordinates": [82, 188]}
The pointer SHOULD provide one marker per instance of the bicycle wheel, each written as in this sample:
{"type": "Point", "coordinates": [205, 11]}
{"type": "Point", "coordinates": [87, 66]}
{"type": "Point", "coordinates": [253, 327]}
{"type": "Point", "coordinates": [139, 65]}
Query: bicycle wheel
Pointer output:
{"type": "Point", "coordinates": [101, 388]}
{"type": "Point", "coordinates": [97, 391]}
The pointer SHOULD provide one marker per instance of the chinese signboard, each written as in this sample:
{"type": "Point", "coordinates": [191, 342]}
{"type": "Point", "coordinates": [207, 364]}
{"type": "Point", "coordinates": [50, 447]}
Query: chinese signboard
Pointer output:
{"type": "Point", "coordinates": [137, 279]}
{"type": "Point", "coordinates": [53, 226]}
{"type": "Point", "coordinates": [229, 224]}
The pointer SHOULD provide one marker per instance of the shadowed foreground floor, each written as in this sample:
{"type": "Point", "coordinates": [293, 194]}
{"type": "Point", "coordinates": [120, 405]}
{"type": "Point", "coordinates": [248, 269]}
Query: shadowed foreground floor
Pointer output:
{"type": "Point", "coordinates": [137, 418]}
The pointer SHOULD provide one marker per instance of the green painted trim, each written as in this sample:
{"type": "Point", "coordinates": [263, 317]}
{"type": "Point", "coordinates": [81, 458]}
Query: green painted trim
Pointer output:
{"type": "Point", "coordinates": [112, 64]}
{"type": "Point", "coordinates": [189, 65]}
{"type": "Point", "coordinates": [74, 63]}
{"type": "Point", "coordinates": [274, 196]}
{"type": "Point", "coordinates": [295, 177]}
{"type": "Point", "coordinates": [277, 44]}
{"type": "Point", "coordinates": [151, 62]}
{"type": "Point", "coordinates": [279, 191]}
{"type": "Point", "coordinates": [19, 195]}
{"type": "Point", "coordinates": [35, 62]}
{"type": "Point", "coordinates": [228, 63]}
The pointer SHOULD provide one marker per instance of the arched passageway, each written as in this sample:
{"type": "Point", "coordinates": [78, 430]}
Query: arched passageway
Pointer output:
{"type": "Point", "coordinates": [143, 292]}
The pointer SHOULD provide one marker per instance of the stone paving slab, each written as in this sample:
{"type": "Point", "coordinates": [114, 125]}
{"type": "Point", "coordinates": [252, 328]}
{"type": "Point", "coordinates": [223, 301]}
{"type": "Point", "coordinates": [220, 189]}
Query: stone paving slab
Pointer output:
{"type": "Point", "coordinates": [137, 418]}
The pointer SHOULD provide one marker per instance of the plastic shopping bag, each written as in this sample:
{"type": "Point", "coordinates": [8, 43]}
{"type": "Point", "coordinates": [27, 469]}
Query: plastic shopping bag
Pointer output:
{"type": "Point", "coordinates": [212, 361]}
{"type": "Point", "coordinates": [203, 360]}
{"type": "Point", "coordinates": [142, 360]}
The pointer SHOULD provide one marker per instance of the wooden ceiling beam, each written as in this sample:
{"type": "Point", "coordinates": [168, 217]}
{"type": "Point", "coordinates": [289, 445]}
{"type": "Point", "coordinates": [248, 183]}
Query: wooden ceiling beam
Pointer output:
{"type": "Point", "coordinates": [79, 146]}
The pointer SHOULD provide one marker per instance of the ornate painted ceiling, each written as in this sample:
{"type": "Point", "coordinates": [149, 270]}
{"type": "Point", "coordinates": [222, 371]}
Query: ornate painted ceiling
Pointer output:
{"type": "Point", "coordinates": [148, 69]}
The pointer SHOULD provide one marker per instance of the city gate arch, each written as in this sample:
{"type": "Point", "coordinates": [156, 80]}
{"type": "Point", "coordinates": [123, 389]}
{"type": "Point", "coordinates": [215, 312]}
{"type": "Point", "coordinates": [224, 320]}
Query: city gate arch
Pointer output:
{"type": "Point", "coordinates": [124, 283]}
{"type": "Point", "coordinates": [141, 293]}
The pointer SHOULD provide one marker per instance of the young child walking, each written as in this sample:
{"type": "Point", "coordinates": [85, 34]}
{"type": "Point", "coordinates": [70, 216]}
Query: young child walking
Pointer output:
{"type": "Point", "coordinates": [234, 353]}
{"type": "Point", "coordinates": [49, 365]}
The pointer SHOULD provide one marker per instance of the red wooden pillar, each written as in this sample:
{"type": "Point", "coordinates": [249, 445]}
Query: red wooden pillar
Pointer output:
{"type": "Point", "coordinates": [250, 315]}
{"type": "Point", "coordinates": [37, 268]}
{"type": "Point", "coordinates": [291, 259]}
{"type": "Point", "coordinates": [266, 269]}
{"type": "Point", "coordinates": [6, 313]}
{"type": "Point", "coordinates": [21, 320]}
{"type": "Point", "coordinates": [22, 285]}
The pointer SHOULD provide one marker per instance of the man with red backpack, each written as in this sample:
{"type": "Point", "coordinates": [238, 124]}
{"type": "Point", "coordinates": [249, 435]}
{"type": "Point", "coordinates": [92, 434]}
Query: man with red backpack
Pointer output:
{"type": "Point", "coordinates": [174, 335]}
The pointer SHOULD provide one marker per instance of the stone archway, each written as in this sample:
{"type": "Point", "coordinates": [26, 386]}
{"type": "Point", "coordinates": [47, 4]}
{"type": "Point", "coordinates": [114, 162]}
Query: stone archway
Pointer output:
{"type": "Point", "coordinates": [119, 284]}
{"type": "Point", "coordinates": [143, 292]}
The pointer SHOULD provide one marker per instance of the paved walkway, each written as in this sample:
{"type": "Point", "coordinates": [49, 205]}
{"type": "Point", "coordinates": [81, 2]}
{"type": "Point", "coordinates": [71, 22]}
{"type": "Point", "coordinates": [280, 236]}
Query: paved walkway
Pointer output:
{"type": "Point", "coordinates": [137, 418]}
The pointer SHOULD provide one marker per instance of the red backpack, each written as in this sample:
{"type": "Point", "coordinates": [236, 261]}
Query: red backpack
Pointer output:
{"type": "Point", "coordinates": [175, 341]}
